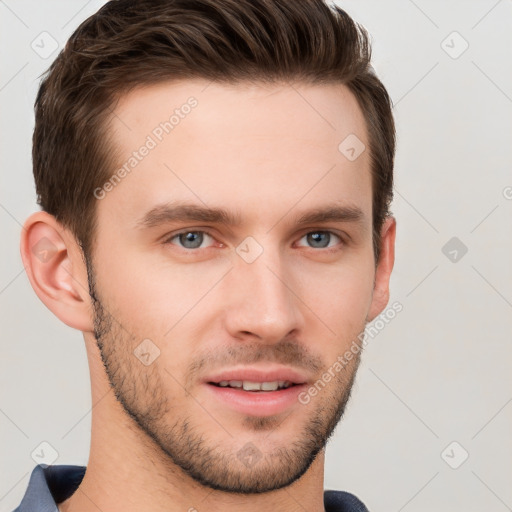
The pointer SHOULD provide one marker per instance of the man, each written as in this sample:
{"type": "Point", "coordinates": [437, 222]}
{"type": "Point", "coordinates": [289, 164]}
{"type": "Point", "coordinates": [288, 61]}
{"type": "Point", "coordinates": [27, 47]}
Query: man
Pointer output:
{"type": "Point", "coordinates": [215, 179]}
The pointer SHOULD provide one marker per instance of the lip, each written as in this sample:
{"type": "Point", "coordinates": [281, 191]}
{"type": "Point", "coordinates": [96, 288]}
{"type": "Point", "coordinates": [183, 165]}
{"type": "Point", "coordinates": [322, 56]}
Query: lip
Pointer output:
{"type": "Point", "coordinates": [256, 403]}
{"type": "Point", "coordinates": [258, 375]}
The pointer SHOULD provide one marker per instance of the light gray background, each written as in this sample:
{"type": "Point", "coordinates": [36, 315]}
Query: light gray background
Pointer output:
{"type": "Point", "coordinates": [438, 373]}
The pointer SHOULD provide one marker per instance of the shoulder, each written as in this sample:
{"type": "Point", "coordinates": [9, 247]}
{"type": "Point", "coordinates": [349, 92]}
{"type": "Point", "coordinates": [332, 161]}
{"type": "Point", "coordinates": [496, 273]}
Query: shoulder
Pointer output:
{"type": "Point", "coordinates": [49, 485]}
{"type": "Point", "coordinates": [341, 501]}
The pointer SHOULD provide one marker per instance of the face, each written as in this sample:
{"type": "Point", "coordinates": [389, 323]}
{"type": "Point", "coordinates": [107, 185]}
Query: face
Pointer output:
{"type": "Point", "coordinates": [236, 246]}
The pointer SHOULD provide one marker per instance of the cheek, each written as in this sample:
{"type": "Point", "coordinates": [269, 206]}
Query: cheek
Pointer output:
{"type": "Point", "coordinates": [340, 296]}
{"type": "Point", "coordinates": [151, 296]}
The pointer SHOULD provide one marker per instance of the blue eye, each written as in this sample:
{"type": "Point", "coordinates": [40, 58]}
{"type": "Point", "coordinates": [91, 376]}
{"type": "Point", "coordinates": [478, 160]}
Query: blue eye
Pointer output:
{"type": "Point", "coordinates": [320, 239]}
{"type": "Point", "coordinates": [195, 239]}
{"type": "Point", "coordinates": [190, 239]}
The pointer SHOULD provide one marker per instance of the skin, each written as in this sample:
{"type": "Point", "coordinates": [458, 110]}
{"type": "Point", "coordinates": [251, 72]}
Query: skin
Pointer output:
{"type": "Point", "coordinates": [269, 153]}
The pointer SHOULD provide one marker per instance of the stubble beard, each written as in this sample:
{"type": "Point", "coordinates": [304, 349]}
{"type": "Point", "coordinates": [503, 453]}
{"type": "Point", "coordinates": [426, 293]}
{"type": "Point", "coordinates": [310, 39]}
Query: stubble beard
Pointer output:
{"type": "Point", "coordinates": [181, 444]}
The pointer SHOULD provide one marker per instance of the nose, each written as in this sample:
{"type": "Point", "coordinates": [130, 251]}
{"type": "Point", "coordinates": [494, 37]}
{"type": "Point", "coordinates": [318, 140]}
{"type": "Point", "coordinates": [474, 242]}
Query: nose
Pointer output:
{"type": "Point", "coordinates": [261, 300]}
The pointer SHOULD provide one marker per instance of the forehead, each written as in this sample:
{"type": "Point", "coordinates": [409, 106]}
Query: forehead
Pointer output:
{"type": "Point", "coordinates": [238, 145]}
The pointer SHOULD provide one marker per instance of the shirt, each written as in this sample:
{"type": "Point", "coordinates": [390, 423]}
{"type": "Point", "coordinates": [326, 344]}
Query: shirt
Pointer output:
{"type": "Point", "coordinates": [49, 485]}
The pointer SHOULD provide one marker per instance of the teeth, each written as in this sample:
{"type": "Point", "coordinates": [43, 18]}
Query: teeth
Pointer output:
{"type": "Point", "coordinates": [256, 386]}
{"type": "Point", "coordinates": [269, 386]}
{"type": "Point", "coordinates": [231, 383]}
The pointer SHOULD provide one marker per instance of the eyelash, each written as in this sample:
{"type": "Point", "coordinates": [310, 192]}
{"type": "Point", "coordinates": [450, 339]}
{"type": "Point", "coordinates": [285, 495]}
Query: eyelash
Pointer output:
{"type": "Point", "coordinates": [168, 239]}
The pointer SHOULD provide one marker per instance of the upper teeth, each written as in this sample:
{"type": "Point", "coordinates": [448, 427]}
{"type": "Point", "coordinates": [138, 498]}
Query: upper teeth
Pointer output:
{"type": "Point", "coordinates": [255, 386]}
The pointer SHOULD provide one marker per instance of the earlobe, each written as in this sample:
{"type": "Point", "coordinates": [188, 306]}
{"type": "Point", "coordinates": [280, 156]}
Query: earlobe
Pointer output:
{"type": "Point", "coordinates": [55, 269]}
{"type": "Point", "coordinates": [384, 267]}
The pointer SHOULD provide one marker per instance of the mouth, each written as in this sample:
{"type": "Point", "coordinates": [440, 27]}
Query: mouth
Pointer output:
{"type": "Point", "coordinates": [256, 387]}
{"type": "Point", "coordinates": [256, 393]}
{"type": "Point", "coordinates": [255, 398]}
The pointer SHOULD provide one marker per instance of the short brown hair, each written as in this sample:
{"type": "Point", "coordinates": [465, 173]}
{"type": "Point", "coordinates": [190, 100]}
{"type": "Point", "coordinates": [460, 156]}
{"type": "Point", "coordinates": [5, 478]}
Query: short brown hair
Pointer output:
{"type": "Point", "coordinates": [129, 43]}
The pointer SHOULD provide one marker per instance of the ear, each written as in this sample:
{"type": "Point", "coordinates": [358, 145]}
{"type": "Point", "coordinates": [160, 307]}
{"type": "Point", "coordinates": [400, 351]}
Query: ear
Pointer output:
{"type": "Point", "coordinates": [385, 264]}
{"type": "Point", "coordinates": [56, 270]}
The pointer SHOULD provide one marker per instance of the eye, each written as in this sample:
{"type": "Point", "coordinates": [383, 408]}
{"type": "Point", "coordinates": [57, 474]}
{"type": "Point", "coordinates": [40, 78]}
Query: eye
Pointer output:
{"type": "Point", "coordinates": [189, 239]}
{"type": "Point", "coordinates": [321, 239]}
{"type": "Point", "coordinates": [199, 239]}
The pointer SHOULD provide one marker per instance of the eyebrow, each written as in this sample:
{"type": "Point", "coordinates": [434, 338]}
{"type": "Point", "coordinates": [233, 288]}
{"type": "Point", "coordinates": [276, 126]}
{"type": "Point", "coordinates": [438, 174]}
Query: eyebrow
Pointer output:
{"type": "Point", "coordinates": [180, 211]}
